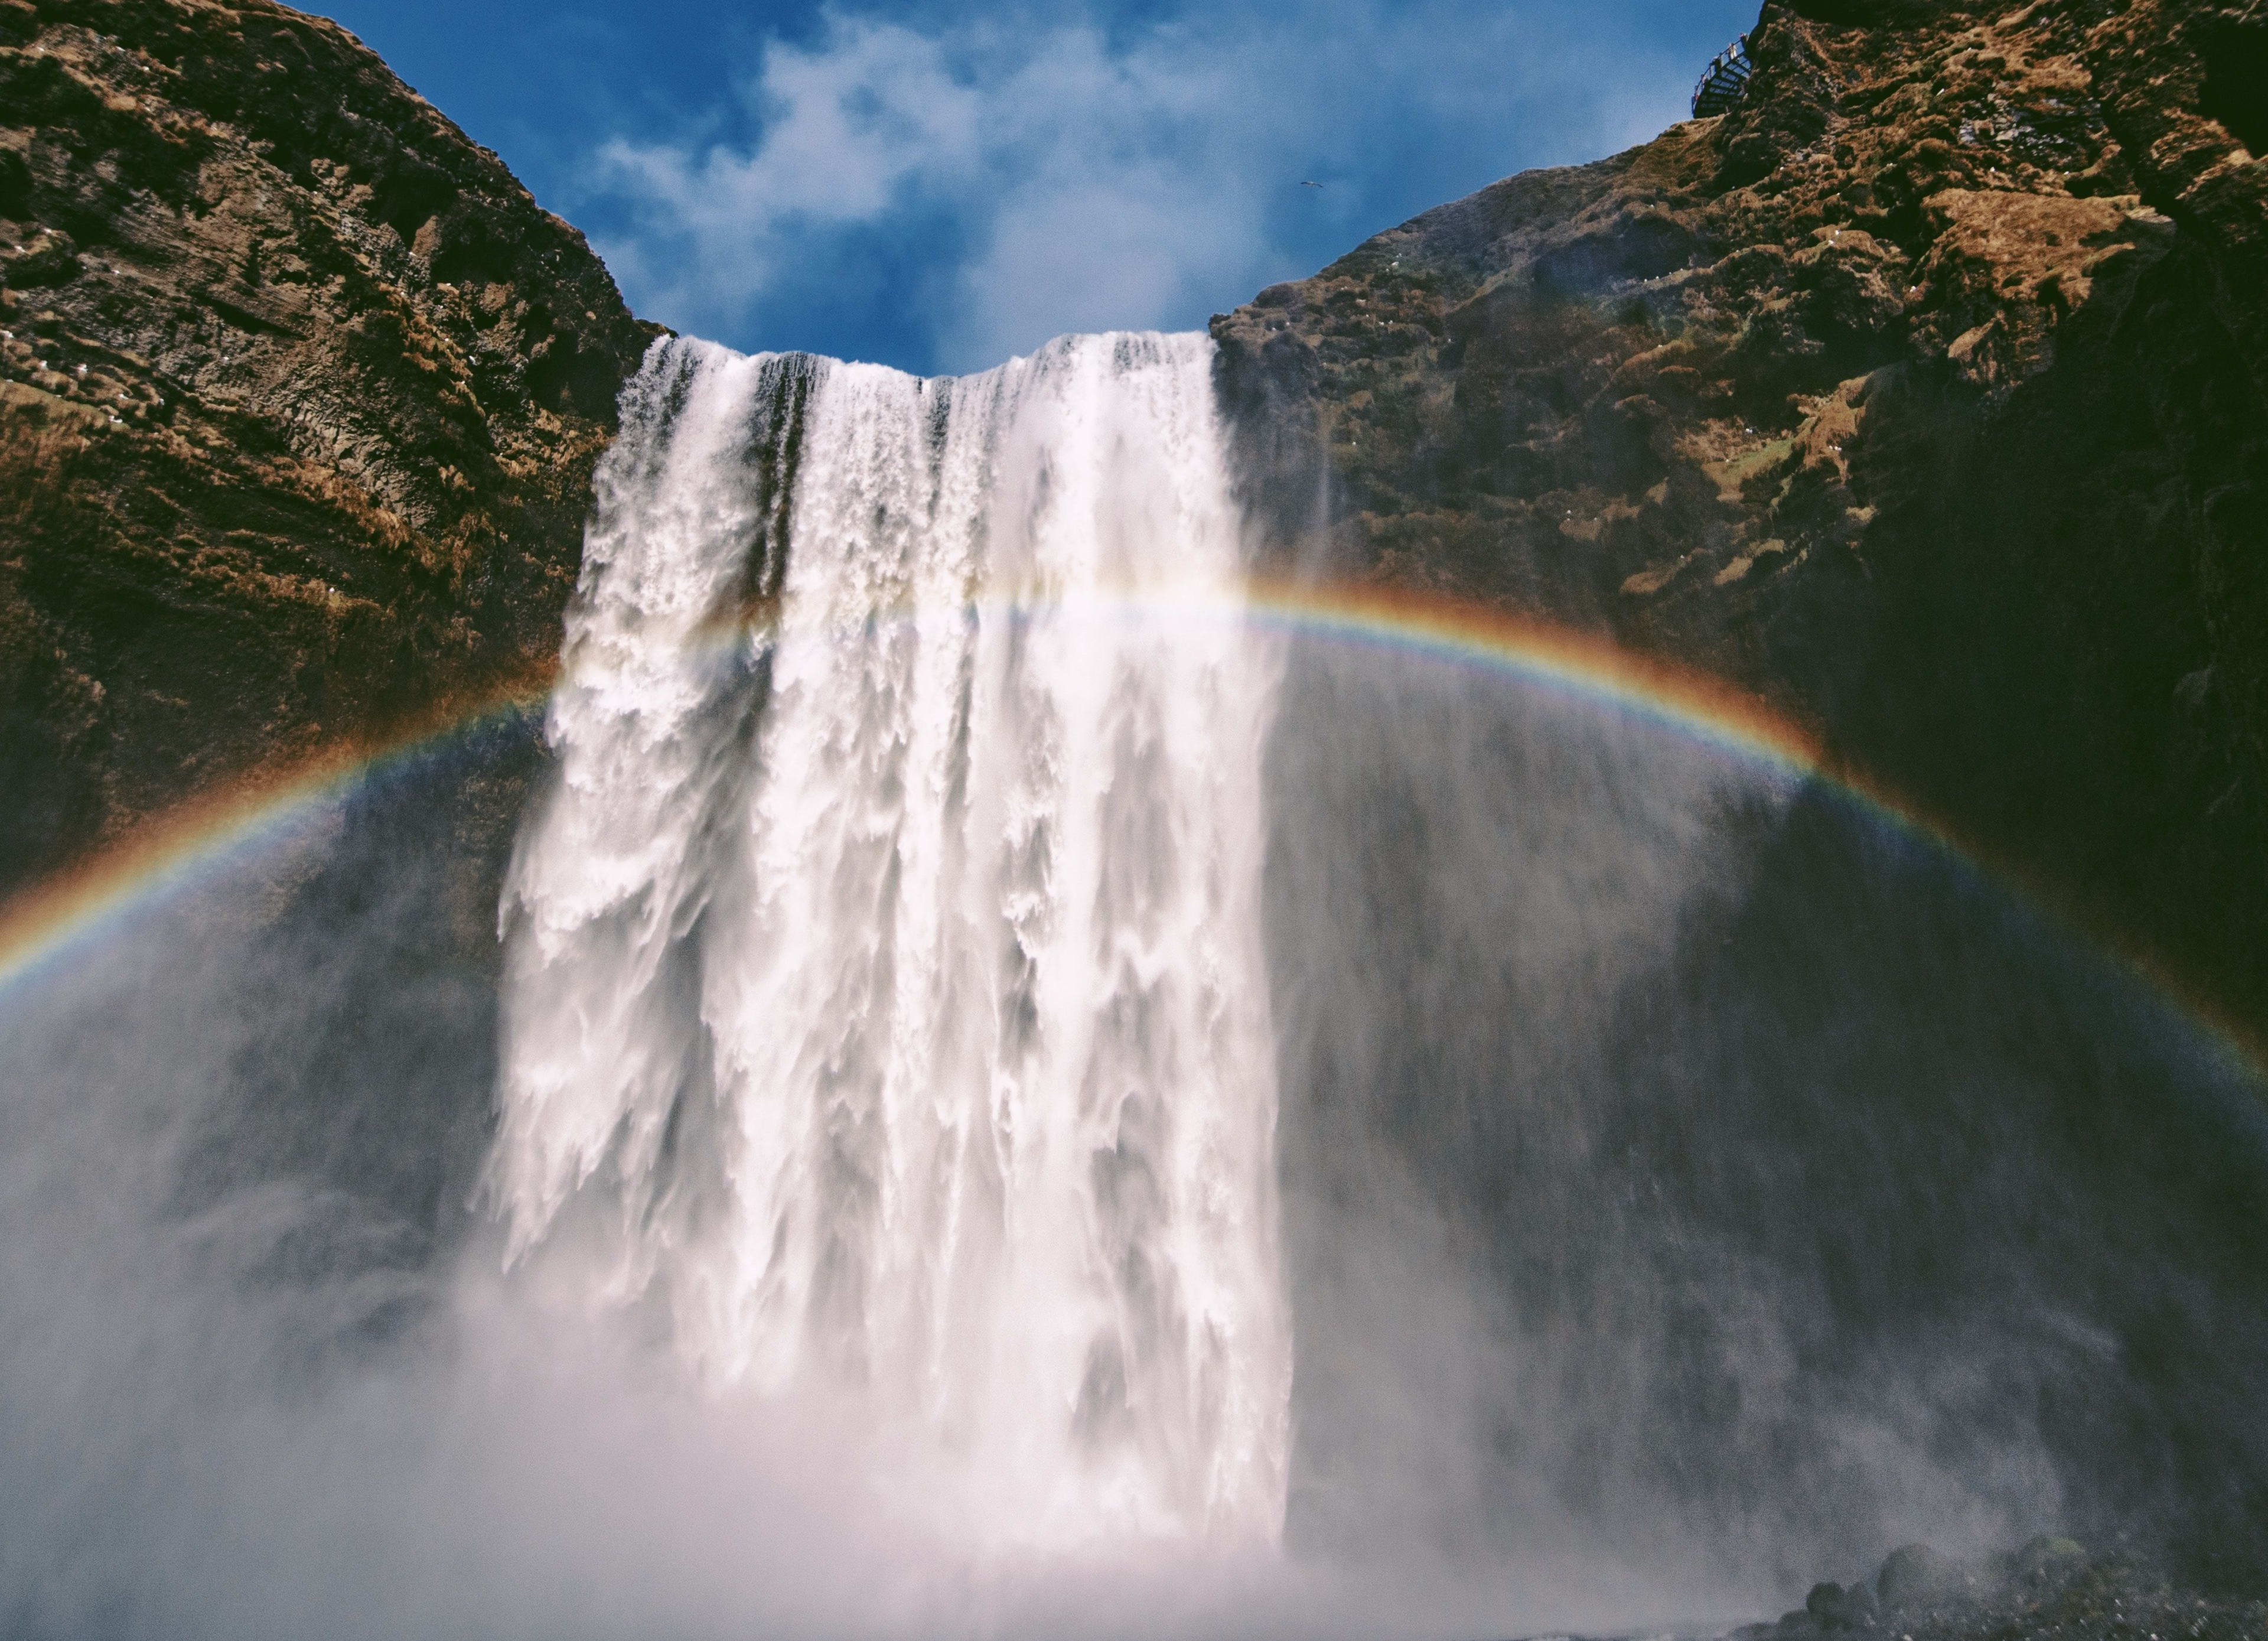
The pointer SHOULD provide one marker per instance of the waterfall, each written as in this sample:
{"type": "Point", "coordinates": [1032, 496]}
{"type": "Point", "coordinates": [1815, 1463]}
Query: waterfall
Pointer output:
{"type": "Point", "coordinates": [885, 1001]}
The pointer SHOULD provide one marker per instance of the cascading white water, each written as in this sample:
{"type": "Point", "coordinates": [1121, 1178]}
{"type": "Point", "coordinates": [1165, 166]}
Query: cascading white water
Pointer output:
{"type": "Point", "coordinates": [885, 990]}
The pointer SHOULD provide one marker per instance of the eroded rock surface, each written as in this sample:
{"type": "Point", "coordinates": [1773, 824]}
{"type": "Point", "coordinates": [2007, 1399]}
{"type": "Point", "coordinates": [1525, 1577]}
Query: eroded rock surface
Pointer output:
{"type": "Point", "coordinates": [1921, 393]}
{"type": "Point", "coordinates": [302, 396]}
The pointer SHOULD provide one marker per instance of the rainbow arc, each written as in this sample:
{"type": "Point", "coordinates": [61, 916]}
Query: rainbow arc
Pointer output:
{"type": "Point", "coordinates": [42, 924]}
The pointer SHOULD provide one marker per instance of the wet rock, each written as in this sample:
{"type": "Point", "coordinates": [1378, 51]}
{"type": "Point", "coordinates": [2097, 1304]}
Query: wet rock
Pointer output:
{"type": "Point", "coordinates": [2046, 1561]}
{"type": "Point", "coordinates": [2050, 1590]}
{"type": "Point", "coordinates": [1915, 1575]}
{"type": "Point", "coordinates": [1835, 1607]}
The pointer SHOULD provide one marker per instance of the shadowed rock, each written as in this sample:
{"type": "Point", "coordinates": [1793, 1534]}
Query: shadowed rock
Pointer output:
{"type": "Point", "coordinates": [302, 396]}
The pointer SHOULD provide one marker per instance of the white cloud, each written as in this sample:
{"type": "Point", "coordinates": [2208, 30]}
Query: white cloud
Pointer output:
{"type": "Point", "coordinates": [1000, 181]}
{"type": "Point", "coordinates": [846, 131]}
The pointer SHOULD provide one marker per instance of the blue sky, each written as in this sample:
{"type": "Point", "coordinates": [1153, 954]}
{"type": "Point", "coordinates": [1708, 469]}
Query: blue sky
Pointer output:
{"type": "Point", "coordinates": [937, 186]}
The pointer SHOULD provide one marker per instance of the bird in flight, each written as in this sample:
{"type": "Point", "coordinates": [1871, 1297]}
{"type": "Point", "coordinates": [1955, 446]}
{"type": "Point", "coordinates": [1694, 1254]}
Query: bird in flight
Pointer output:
{"type": "Point", "coordinates": [1311, 185]}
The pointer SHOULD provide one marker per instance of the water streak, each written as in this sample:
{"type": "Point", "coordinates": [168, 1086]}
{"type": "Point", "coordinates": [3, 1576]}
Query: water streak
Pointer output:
{"type": "Point", "coordinates": [887, 1001]}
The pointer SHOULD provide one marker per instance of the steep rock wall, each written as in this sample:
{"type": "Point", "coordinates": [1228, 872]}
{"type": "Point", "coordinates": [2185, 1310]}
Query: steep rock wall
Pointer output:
{"type": "Point", "coordinates": [302, 396]}
{"type": "Point", "coordinates": [1922, 394]}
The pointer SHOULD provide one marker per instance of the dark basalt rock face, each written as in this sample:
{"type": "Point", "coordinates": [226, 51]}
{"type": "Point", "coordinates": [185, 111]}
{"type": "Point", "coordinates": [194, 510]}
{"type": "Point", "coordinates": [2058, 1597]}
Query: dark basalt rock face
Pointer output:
{"type": "Point", "coordinates": [1922, 393]}
{"type": "Point", "coordinates": [2050, 1588]}
{"type": "Point", "coordinates": [302, 392]}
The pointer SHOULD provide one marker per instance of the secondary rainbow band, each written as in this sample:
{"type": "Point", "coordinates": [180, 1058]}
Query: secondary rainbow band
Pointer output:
{"type": "Point", "coordinates": [176, 847]}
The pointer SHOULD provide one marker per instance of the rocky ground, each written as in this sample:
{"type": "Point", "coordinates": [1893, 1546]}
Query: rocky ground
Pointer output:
{"type": "Point", "coordinates": [2051, 1590]}
{"type": "Point", "coordinates": [302, 394]}
{"type": "Point", "coordinates": [1922, 393]}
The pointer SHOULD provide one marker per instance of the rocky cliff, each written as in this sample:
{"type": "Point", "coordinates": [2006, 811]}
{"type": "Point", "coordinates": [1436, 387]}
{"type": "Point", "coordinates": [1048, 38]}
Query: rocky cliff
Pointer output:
{"type": "Point", "coordinates": [302, 396]}
{"type": "Point", "coordinates": [1921, 393]}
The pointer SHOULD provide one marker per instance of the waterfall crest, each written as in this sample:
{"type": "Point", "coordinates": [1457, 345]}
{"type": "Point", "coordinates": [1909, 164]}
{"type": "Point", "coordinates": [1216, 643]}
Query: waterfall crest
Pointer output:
{"type": "Point", "coordinates": [885, 997]}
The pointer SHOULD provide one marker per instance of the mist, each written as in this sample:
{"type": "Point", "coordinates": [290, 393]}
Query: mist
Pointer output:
{"type": "Point", "coordinates": [264, 1374]}
{"type": "Point", "coordinates": [1699, 1184]}
{"type": "Point", "coordinates": [1692, 1184]}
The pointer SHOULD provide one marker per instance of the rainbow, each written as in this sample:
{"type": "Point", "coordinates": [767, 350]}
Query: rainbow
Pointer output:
{"type": "Point", "coordinates": [1471, 634]}
{"type": "Point", "coordinates": [233, 824]}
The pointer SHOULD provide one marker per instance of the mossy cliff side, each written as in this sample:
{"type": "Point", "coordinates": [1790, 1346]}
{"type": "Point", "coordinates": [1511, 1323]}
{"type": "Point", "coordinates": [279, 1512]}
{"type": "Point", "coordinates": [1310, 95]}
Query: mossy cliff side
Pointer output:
{"type": "Point", "coordinates": [1921, 394]}
{"type": "Point", "coordinates": [302, 392]}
